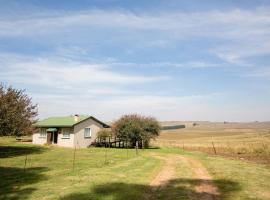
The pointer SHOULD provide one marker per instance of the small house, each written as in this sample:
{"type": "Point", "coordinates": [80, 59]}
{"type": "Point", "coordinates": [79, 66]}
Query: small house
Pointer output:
{"type": "Point", "coordinates": [71, 131]}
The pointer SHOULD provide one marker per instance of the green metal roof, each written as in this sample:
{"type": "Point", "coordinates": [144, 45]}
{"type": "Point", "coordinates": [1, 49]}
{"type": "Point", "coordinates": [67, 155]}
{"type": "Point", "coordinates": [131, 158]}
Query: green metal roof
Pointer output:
{"type": "Point", "coordinates": [67, 121]}
{"type": "Point", "coordinates": [51, 129]}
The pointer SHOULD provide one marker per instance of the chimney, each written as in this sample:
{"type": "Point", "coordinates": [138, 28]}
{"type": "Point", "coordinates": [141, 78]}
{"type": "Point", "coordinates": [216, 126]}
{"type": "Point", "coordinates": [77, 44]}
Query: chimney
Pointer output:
{"type": "Point", "coordinates": [76, 118]}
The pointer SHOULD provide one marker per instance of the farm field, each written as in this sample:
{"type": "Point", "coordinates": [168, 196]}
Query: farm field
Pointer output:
{"type": "Point", "coordinates": [248, 141]}
{"type": "Point", "coordinates": [35, 172]}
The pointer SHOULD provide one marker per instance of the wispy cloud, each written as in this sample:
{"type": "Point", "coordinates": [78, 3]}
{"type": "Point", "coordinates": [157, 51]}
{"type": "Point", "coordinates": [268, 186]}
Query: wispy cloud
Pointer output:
{"type": "Point", "coordinates": [166, 63]}
{"type": "Point", "coordinates": [219, 23]}
{"type": "Point", "coordinates": [191, 107]}
{"type": "Point", "coordinates": [162, 107]}
{"type": "Point", "coordinates": [244, 33]}
{"type": "Point", "coordinates": [262, 72]}
{"type": "Point", "coordinates": [183, 65]}
{"type": "Point", "coordinates": [63, 73]}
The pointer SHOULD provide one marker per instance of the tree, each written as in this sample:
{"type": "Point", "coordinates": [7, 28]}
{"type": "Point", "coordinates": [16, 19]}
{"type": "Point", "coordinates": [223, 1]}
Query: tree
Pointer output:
{"type": "Point", "coordinates": [195, 124]}
{"type": "Point", "coordinates": [17, 113]}
{"type": "Point", "coordinates": [135, 128]}
{"type": "Point", "coordinates": [104, 134]}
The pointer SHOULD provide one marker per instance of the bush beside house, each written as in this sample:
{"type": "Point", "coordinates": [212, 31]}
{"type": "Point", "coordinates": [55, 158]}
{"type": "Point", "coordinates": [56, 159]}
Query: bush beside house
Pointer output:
{"type": "Point", "coordinates": [136, 129]}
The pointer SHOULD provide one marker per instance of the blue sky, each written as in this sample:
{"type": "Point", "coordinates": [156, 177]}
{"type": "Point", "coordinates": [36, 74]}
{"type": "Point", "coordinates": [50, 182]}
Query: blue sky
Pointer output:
{"type": "Point", "coordinates": [175, 60]}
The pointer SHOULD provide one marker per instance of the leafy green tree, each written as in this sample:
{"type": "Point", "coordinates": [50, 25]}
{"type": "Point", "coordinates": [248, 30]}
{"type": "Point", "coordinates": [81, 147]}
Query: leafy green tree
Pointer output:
{"type": "Point", "coordinates": [135, 128]}
{"type": "Point", "coordinates": [17, 113]}
{"type": "Point", "coordinates": [151, 130]}
{"type": "Point", "coordinates": [104, 134]}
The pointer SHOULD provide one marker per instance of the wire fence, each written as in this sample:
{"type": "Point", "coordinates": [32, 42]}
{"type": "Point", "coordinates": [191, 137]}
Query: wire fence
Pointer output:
{"type": "Point", "coordinates": [251, 150]}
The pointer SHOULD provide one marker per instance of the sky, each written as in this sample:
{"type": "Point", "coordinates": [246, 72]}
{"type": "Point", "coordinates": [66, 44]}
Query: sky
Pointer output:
{"type": "Point", "coordinates": [171, 59]}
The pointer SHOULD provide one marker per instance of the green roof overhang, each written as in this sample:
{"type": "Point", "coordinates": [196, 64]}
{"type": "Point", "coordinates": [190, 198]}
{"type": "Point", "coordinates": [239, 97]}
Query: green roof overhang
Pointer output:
{"type": "Point", "coordinates": [51, 129]}
{"type": "Point", "coordinates": [68, 121]}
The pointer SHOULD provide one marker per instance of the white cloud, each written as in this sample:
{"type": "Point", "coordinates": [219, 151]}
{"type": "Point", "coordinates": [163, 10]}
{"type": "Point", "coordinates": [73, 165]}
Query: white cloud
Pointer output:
{"type": "Point", "coordinates": [65, 91]}
{"type": "Point", "coordinates": [112, 107]}
{"type": "Point", "coordinates": [262, 72]}
{"type": "Point", "coordinates": [194, 107]}
{"type": "Point", "coordinates": [96, 88]}
{"type": "Point", "coordinates": [235, 23]}
{"type": "Point", "coordinates": [65, 74]}
{"type": "Point", "coordinates": [184, 65]}
{"type": "Point", "coordinates": [191, 64]}
{"type": "Point", "coordinates": [238, 52]}
{"type": "Point", "coordinates": [243, 33]}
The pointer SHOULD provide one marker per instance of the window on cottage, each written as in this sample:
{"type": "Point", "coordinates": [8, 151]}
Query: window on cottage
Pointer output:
{"type": "Point", "coordinates": [66, 133]}
{"type": "Point", "coordinates": [43, 133]}
{"type": "Point", "coordinates": [87, 132]}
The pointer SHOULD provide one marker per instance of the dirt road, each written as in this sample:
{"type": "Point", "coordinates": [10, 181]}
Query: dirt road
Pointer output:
{"type": "Point", "coordinates": [205, 189]}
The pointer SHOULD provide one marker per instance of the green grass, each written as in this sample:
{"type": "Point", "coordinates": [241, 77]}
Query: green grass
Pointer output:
{"type": "Point", "coordinates": [236, 179]}
{"type": "Point", "coordinates": [117, 174]}
{"type": "Point", "coordinates": [49, 171]}
{"type": "Point", "coordinates": [251, 180]}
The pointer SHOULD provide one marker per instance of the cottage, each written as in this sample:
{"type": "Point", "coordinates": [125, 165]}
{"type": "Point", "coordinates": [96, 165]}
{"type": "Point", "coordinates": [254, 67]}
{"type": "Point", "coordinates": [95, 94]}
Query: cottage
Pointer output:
{"type": "Point", "coordinates": [70, 131]}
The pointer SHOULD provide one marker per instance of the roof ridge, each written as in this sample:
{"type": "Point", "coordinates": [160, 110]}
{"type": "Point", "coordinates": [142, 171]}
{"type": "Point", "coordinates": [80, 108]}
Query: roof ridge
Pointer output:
{"type": "Point", "coordinates": [65, 121]}
{"type": "Point", "coordinates": [67, 116]}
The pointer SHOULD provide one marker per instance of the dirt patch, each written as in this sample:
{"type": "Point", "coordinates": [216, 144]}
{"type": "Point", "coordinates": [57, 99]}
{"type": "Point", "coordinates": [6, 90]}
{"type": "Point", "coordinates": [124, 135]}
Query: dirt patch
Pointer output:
{"type": "Point", "coordinates": [205, 190]}
{"type": "Point", "coordinates": [166, 173]}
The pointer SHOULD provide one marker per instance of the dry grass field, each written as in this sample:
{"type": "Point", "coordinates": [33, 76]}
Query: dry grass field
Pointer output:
{"type": "Point", "coordinates": [248, 141]}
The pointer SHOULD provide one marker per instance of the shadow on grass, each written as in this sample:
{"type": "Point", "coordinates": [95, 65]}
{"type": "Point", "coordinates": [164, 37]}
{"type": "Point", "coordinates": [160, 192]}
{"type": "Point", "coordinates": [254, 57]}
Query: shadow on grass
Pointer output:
{"type": "Point", "coordinates": [153, 147]}
{"type": "Point", "coordinates": [174, 189]}
{"type": "Point", "coordinates": [16, 183]}
{"type": "Point", "coordinates": [13, 151]}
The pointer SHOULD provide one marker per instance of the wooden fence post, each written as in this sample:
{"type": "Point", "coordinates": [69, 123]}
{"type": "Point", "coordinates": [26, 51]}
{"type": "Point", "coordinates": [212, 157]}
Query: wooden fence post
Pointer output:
{"type": "Point", "coordinates": [137, 145]}
{"type": "Point", "coordinates": [214, 146]}
{"type": "Point", "coordinates": [127, 148]}
{"type": "Point", "coordinates": [105, 155]}
{"type": "Point", "coordinates": [25, 161]}
{"type": "Point", "coordinates": [74, 153]}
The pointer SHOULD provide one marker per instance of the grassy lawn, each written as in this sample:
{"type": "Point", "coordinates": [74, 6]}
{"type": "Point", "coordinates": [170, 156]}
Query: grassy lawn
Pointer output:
{"type": "Point", "coordinates": [49, 172]}
{"type": "Point", "coordinates": [118, 174]}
